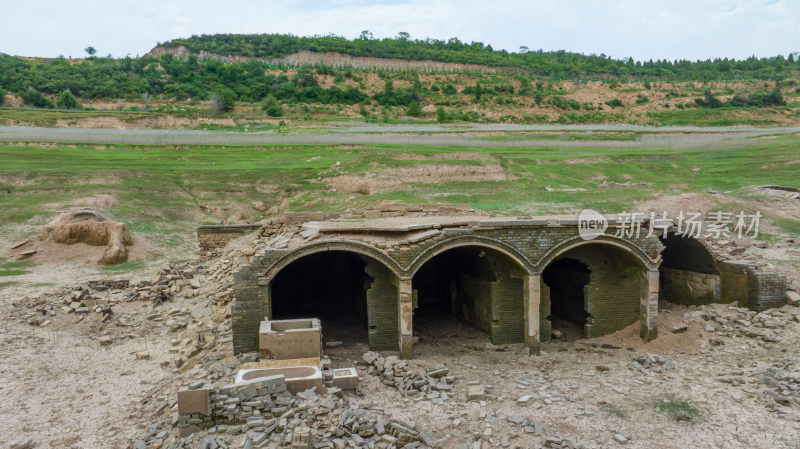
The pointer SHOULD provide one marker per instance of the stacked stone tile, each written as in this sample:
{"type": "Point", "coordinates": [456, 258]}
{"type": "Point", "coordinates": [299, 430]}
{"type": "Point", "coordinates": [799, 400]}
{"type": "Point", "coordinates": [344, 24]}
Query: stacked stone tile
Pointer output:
{"type": "Point", "coordinates": [434, 383]}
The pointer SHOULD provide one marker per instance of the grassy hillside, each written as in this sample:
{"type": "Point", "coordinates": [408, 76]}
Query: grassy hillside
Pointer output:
{"type": "Point", "coordinates": [556, 64]}
{"type": "Point", "coordinates": [253, 90]}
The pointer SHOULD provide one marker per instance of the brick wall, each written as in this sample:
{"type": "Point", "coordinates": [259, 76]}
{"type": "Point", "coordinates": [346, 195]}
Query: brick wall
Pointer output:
{"type": "Point", "coordinates": [508, 309]}
{"type": "Point", "coordinates": [216, 236]}
{"type": "Point", "coordinates": [382, 313]}
{"type": "Point", "coordinates": [751, 286]}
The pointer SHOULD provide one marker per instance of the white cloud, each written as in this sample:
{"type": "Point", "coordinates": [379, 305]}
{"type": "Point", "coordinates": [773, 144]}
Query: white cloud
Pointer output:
{"type": "Point", "coordinates": [680, 29]}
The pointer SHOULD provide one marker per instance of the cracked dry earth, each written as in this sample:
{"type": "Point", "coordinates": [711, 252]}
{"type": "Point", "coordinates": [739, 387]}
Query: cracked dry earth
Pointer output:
{"type": "Point", "coordinates": [740, 371]}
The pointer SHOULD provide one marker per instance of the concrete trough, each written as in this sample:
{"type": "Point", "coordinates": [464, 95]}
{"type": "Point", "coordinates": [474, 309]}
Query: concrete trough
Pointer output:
{"type": "Point", "coordinates": [299, 378]}
{"type": "Point", "coordinates": [290, 339]}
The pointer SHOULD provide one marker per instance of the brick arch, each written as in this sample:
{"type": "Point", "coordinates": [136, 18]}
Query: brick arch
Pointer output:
{"type": "Point", "coordinates": [333, 245]}
{"type": "Point", "coordinates": [574, 242]}
{"type": "Point", "coordinates": [469, 240]}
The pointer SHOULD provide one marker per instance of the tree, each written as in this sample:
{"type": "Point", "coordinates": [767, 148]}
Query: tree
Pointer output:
{"type": "Point", "coordinates": [91, 51]}
{"type": "Point", "coordinates": [67, 101]}
{"type": "Point", "coordinates": [221, 101]}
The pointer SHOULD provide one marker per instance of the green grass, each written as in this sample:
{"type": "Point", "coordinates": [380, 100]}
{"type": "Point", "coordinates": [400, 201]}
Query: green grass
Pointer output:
{"type": "Point", "coordinates": [126, 266]}
{"type": "Point", "coordinates": [48, 117]}
{"type": "Point", "coordinates": [159, 190]}
{"type": "Point", "coordinates": [613, 410]}
{"type": "Point", "coordinates": [599, 137]}
{"type": "Point", "coordinates": [787, 225]}
{"type": "Point", "coordinates": [5, 284]}
{"type": "Point", "coordinates": [727, 116]}
{"type": "Point", "coordinates": [14, 268]}
{"type": "Point", "coordinates": [675, 408]}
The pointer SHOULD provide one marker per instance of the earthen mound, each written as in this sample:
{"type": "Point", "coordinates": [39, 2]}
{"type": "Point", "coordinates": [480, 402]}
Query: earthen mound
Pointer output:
{"type": "Point", "coordinates": [90, 227]}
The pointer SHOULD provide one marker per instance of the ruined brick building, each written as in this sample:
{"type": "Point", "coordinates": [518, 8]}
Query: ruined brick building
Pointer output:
{"type": "Point", "coordinates": [511, 278]}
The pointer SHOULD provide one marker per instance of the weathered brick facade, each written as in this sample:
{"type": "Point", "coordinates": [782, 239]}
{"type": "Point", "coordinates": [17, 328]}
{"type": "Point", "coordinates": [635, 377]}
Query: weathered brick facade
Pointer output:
{"type": "Point", "coordinates": [624, 281]}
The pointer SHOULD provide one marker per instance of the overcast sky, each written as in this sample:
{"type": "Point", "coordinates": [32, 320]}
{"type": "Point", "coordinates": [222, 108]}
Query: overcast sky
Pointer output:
{"type": "Point", "coordinates": [643, 29]}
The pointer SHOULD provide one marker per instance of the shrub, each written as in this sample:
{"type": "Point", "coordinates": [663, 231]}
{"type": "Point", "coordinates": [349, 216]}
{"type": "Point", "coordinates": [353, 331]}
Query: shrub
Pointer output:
{"type": "Point", "coordinates": [363, 110]}
{"type": "Point", "coordinates": [615, 103]}
{"type": "Point", "coordinates": [272, 107]}
{"type": "Point", "coordinates": [33, 97]}
{"type": "Point", "coordinates": [709, 101]}
{"type": "Point", "coordinates": [441, 115]}
{"type": "Point", "coordinates": [414, 109]}
{"type": "Point", "coordinates": [449, 89]}
{"type": "Point", "coordinates": [67, 101]}
{"type": "Point", "coordinates": [642, 99]}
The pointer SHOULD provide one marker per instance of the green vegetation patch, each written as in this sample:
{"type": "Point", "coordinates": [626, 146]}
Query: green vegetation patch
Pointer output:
{"type": "Point", "coordinates": [675, 408]}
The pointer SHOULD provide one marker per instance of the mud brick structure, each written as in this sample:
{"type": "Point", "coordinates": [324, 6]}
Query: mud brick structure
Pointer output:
{"type": "Point", "coordinates": [512, 278]}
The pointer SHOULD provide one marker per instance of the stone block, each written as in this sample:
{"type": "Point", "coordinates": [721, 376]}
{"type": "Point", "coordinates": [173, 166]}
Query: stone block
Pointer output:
{"type": "Point", "coordinates": [345, 378]}
{"type": "Point", "coordinates": [194, 401]}
{"type": "Point", "coordinates": [476, 393]}
{"type": "Point", "coordinates": [290, 339]}
{"type": "Point", "coordinates": [301, 438]}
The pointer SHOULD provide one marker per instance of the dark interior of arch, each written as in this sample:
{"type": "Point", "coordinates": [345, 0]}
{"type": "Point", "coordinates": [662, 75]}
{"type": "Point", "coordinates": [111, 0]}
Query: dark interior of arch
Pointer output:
{"type": "Point", "coordinates": [474, 286]}
{"type": "Point", "coordinates": [331, 286]}
{"type": "Point", "coordinates": [686, 253]}
{"type": "Point", "coordinates": [688, 273]}
{"type": "Point", "coordinates": [567, 279]}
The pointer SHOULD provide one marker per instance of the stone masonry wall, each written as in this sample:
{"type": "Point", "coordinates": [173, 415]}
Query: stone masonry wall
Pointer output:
{"type": "Point", "coordinates": [689, 287]}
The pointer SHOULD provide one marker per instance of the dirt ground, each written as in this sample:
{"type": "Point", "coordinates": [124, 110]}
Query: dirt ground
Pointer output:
{"type": "Point", "coordinates": [86, 394]}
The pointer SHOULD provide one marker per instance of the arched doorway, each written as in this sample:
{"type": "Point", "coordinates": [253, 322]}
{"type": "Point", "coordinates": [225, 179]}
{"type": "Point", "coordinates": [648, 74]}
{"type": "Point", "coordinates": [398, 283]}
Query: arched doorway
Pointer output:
{"type": "Point", "coordinates": [567, 279]}
{"type": "Point", "coordinates": [354, 296]}
{"type": "Point", "coordinates": [469, 291]}
{"type": "Point", "coordinates": [688, 274]}
{"type": "Point", "coordinates": [591, 290]}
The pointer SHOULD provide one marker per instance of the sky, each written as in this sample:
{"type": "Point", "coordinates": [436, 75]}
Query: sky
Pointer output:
{"type": "Point", "coordinates": [642, 29]}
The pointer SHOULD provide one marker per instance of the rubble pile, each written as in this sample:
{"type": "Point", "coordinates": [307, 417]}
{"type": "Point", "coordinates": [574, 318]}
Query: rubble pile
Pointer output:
{"type": "Point", "coordinates": [434, 383]}
{"type": "Point", "coordinates": [652, 363]}
{"type": "Point", "coordinates": [783, 380]}
{"type": "Point", "coordinates": [261, 411]}
{"type": "Point", "coordinates": [764, 327]}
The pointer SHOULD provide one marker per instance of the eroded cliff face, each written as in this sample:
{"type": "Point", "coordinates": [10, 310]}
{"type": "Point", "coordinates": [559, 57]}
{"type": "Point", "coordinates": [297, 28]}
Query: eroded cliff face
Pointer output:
{"type": "Point", "coordinates": [305, 57]}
